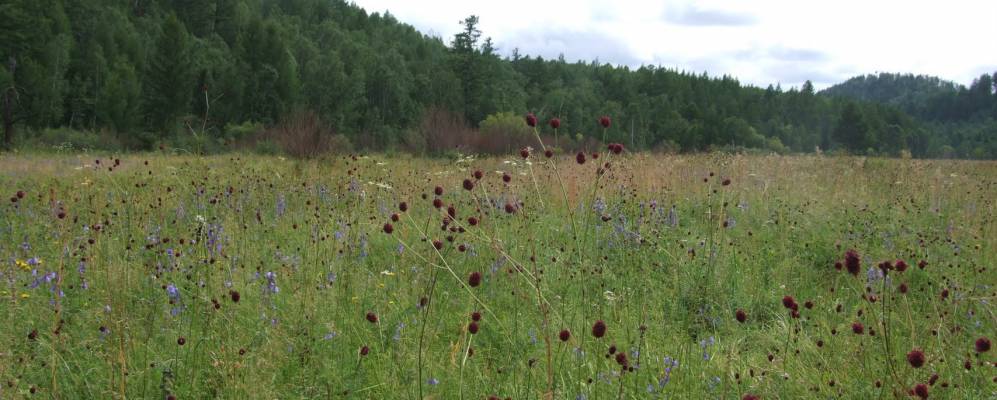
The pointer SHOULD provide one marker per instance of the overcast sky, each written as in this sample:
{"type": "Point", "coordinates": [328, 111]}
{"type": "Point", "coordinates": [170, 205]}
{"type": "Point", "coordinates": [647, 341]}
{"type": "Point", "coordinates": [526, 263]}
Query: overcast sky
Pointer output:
{"type": "Point", "coordinates": [757, 41]}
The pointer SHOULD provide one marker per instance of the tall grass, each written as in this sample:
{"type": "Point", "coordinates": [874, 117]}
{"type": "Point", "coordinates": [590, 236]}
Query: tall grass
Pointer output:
{"type": "Point", "coordinates": [256, 277]}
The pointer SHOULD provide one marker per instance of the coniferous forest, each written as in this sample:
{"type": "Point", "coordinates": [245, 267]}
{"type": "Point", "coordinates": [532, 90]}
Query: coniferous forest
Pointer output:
{"type": "Point", "coordinates": [209, 75]}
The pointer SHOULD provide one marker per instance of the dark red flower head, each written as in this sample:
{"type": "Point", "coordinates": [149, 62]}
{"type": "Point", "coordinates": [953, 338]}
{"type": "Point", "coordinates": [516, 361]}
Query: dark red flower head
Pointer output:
{"type": "Point", "coordinates": [438, 190]}
{"type": "Point", "coordinates": [20, 193]}
{"type": "Point", "coordinates": [604, 121]}
{"type": "Point", "coordinates": [395, 217]}
{"type": "Point", "coordinates": [621, 358]}
{"type": "Point", "coordinates": [474, 279]}
{"type": "Point", "coordinates": [468, 184]}
{"type": "Point", "coordinates": [852, 262]}
{"type": "Point", "coordinates": [916, 358]}
{"type": "Point", "coordinates": [857, 328]}
{"type": "Point", "coordinates": [437, 244]}
{"type": "Point", "coordinates": [524, 152]}
{"type": "Point", "coordinates": [371, 317]}
{"type": "Point", "coordinates": [750, 397]}
{"type": "Point", "coordinates": [580, 157]}
{"type": "Point", "coordinates": [437, 203]}
{"type": "Point", "coordinates": [531, 120]}
{"type": "Point", "coordinates": [900, 265]}
{"type": "Point", "coordinates": [403, 206]}
{"type": "Point", "coordinates": [476, 316]}
{"type": "Point", "coordinates": [549, 153]}
{"type": "Point", "coordinates": [564, 335]}
{"type": "Point", "coordinates": [388, 228]}
{"type": "Point", "coordinates": [510, 208]}
{"type": "Point", "coordinates": [741, 316]}
{"type": "Point", "coordinates": [982, 345]}
{"type": "Point", "coordinates": [599, 329]}
{"type": "Point", "coordinates": [506, 178]}
{"type": "Point", "coordinates": [921, 390]}
{"type": "Point", "coordinates": [555, 123]}
{"type": "Point", "coordinates": [788, 301]}
{"type": "Point", "coordinates": [478, 174]}
{"type": "Point", "coordinates": [472, 328]}
{"type": "Point", "coordinates": [364, 350]}
{"type": "Point", "coordinates": [472, 221]}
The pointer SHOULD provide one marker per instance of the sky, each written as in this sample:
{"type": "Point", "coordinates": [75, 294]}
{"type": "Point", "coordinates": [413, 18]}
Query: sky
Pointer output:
{"type": "Point", "coordinates": [759, 42]}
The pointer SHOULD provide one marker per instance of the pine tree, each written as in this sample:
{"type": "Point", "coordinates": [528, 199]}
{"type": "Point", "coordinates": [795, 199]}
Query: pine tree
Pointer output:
{"type": "Point", "coordinates": [169, 78]}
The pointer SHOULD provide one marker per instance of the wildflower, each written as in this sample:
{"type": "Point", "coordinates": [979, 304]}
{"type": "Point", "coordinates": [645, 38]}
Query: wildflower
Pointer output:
{"type": "Point", "coordinates": [271, 287]}
{"type": "Point", "coordinates": [472, 328]}
{"type": "Point", "coordinates": [524, 152]}
{"type": "Point", "coordinates": [403, 206]}
{"type": "Point", "coordinates": [604, 121]}
{"type": "Point", "coordinates": [506, 178]}
{"type": "Point", "coordinates": [478, 174]}
{"type": "Point", "coordinates": [476, 316]}
{"type": "Point", "coordinates": [982, 345]}
{"type": "Point", "coordinates": [531, 120]}
{"type": "Point", "coordinates": [181, 341]}
{"type": "Point", "coordinates": [858, 328]}
{"type": "Point", "coordinates": [364, 350]}
{"type": "Point", "coordinates": [750, 397]}
{"type": "Point", "coordinates": [916, 358]}
{"type": "Point", "coordinates": [554, 123]}
{"type": "Point", "coordinates": [438, 191]}
{"type": "Point", "coordinates": [474, 279]}
{"type": "Point", "coordinates": [234, 295]}
{"type": "Point", "coordinates": [510, 208]}
{"type": "Point", "coordinates": [580, 157]}
{"type": "Point", "coordinates": [433, 382]}
{"type": "Point", "coordinates": [921, 390]}
{"type": "Point", "coordinates": [725, 182]}
{"type": "Point", "coordinates": [789, 302]}
{"type": "Point", "coordinates": [900, 265]}
{"type": "Point", "coordinates": [468, 184]}
{"type": "Point", "coordinates": [371, 317]}
{"type": "Point", "coordinates": [852, 262]}
{"type": "Point", "coordinates": [388, 228]}
{"type": "Point", "coordinates": [621, 358]}
{"type": "Point", "coordinates": [549, 153]}
{"type": "Point", "coordinates": [564, 335]}
{"type": "Point", "coordinates": [599, 329]}
{"type": "Point", "coordinates": [740, 315]}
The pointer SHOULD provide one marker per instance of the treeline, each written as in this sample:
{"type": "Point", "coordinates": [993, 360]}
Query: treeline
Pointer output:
{"type": "Point", "coordinates": [324, 74]}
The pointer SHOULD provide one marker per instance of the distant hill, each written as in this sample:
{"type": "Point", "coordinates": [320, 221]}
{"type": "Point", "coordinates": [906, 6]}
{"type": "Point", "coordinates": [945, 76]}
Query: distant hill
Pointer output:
{"type": "Point", "coordinates": [907, 91]}
{"type": "Point", "coordinates": [922, 96]}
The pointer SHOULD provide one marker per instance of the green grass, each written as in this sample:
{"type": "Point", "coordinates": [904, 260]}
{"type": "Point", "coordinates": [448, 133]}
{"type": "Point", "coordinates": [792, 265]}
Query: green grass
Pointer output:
{"type": "Point", "coordinates": [666, 283]}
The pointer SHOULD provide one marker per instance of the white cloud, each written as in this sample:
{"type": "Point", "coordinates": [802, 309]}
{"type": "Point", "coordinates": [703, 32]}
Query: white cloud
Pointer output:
{"type": "Point", "coordinates": [759, 42]}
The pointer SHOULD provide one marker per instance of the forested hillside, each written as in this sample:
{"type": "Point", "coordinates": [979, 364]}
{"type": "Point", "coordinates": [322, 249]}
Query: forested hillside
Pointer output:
{"type": "Point", "coordinates": [209, 74]}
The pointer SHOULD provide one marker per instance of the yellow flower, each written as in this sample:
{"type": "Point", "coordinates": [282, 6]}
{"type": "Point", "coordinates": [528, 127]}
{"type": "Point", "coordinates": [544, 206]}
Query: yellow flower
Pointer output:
{"type": "Point", "coordinates": [22, 265]}
{"type": "Point", "coordinates": [25, 295]}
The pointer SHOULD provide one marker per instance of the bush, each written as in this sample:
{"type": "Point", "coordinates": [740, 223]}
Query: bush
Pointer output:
{"type": "Point", "coordinates": [69, 139]}
{"type": "Point", "coordinates": [304, 135]}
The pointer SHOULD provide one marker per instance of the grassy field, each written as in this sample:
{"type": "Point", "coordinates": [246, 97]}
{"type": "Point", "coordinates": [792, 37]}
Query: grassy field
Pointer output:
{"type": "Point", "coordinates": [243, 277]}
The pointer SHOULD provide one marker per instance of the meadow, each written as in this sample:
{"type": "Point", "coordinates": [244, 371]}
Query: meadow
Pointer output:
{"type": "Point", "coordinates": [711, 276]}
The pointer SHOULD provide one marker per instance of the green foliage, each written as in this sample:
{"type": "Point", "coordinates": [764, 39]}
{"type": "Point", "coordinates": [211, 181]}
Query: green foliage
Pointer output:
{"type": "Point", "coordinates": [149, 70]}
{"type": "Point", "coordinates": [504, 123]}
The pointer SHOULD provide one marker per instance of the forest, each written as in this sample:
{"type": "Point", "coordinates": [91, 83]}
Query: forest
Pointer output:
{"type": "Point", "coordinates": [301, 76]}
